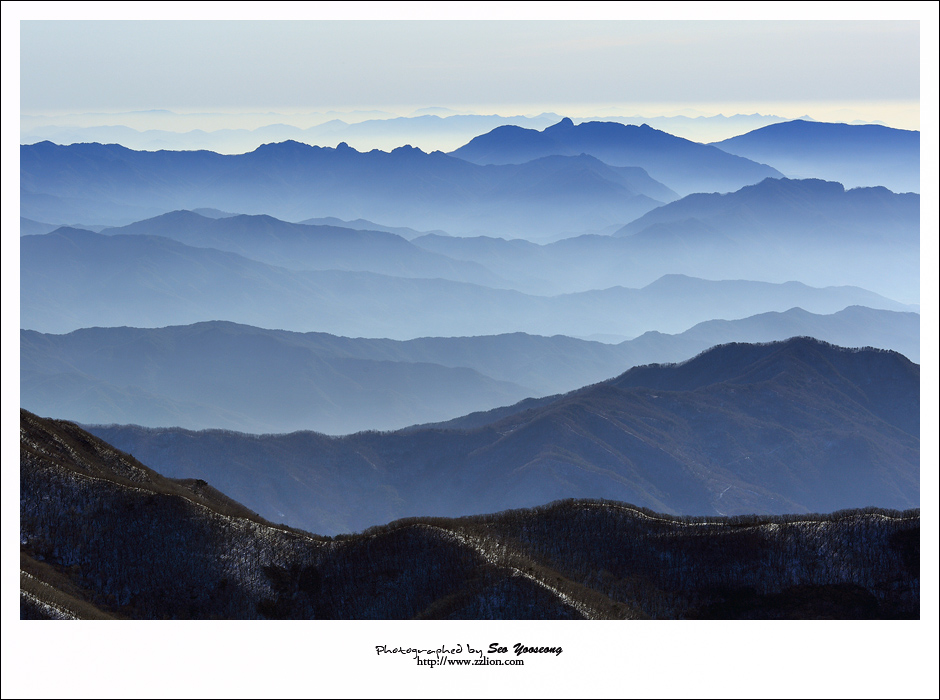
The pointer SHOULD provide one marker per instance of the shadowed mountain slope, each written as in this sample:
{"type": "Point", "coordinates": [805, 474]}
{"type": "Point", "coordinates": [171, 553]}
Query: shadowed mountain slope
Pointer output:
{"type": "Point", "coordinates": [104, 537]}
{"type": "Point", "coordinates": [795, 426]}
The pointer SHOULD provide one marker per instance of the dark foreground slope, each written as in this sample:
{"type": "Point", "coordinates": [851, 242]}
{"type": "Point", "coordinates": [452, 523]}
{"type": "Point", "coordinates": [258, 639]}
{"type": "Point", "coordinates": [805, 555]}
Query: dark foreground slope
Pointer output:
{"type": "Point", "coordinates": [105, 537]}
{"type": "Point", "coordinates": [788, 427]}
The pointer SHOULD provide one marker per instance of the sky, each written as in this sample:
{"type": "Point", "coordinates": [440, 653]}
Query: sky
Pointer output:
{"type": "Point", "coordinates": [867, 69]}
{"type": "Point", "coordinates": [832, 69]}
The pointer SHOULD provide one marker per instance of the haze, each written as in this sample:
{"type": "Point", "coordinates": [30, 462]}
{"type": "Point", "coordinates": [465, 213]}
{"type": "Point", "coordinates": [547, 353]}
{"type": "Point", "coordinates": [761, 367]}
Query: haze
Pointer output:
{"type": "Point", "coordinates": [850, 70]}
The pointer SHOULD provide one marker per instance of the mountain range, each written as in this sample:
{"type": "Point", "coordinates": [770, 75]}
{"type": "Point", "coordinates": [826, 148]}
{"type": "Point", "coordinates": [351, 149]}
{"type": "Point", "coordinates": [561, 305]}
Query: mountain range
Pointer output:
{"type": "Point", "coordinates": [309, 247]}
{"type": "Point", "coordinates": [428, 130]}
{"type": "Point", "coordinates": [434, 382]}
{"type": "Point", "coordinates": [776, 230]}
{"type": "Point", "coordinates": [797, 210]}
{"type": "Point", "coordinates": [72, 279]}
{"type": "Point", "coordinates": [104, 537]}
{"type": "Point", "coordinates": [110, 184]}
{"type": "Point", "coordinates": [857, 155]}
{"type": "Point", "coordinates": [795, 426]}
{"type": "Point", "coordinates": [223, 375]}
{"type": "Point", "coordinates": [683, 165]}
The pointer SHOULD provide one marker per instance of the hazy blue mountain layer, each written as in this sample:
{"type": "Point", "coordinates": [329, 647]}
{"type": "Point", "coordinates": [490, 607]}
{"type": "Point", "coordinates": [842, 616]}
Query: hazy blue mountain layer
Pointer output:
{"type": "Point", "coordinates": [777, 230]}
{"type": "Point", "coordinates": [796, 210]}
{"type": "Point", "coordinates": [366, 225]}
{"type": "Point", "coordinates": [427, 131]}
{"type": "Point", "coordinates": [857, 155]}
{"type": "Point", "coordinates": [219, 375]}
{"type": "Point", "coordinates": [682, 165]}
{"type": "Point", "coordinates": [223, 375]}
{"type": "Point", "coordinates": [310, 247]}
{"type": "Point", "coordinates": [293, 181]}
{"type": "Point", "coordinates": [797, 426]}
{"type": "Point", "coordinates": [72, 279]}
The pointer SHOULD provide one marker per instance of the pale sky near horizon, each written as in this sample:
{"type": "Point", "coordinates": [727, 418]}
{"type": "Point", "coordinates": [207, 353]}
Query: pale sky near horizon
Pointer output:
{"type": "Point", "coordinates": [867, 69]}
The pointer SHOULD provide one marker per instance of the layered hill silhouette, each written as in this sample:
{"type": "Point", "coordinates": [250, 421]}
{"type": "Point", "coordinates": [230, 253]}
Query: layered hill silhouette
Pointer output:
{"type": "Point", "coordinates": [220, 375]}
{"type": "Point", "coordinates": [857, 155]}
{"type": "Point", "coordinates": [428, 131]}
{"type": "Point", "coordinates": [105, 537]}
{"type": "Point", "coordinates": [110, 184]}
{"type": "Point", "coordinates": [28, 227]}
{"type": "Point", "coordinates": [776, 230]}
{"type": "Point", "coordinates": [814, 230]}
{"type": "Point", "coordinates": [309, 247]}
{"type": "Point", "coordinates": [796, 426]}
{"type": "Point", "coordinates": [223, 375]}
{"type": "Point", "coordinates": [682, 165]}
{"type": "Point", "coordinates": [366, 225]}
{"type": "Point", "coordinates": [800, 210]}
{"type": "Point", "coordinates": [72, 279]}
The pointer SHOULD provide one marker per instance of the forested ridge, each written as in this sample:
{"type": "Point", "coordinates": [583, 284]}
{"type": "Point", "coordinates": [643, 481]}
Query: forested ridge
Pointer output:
{"type": "Point", "coordinates": [104, 536]}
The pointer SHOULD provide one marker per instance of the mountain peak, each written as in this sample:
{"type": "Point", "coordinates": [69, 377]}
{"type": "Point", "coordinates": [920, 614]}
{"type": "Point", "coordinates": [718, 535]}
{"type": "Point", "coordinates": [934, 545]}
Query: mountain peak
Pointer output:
{"type": "Point", "coordinates": [287, 146]}
{"type": "Point", "coordinates": [565, 123]}
{"type": "Point", "coordinates": [407, 148]}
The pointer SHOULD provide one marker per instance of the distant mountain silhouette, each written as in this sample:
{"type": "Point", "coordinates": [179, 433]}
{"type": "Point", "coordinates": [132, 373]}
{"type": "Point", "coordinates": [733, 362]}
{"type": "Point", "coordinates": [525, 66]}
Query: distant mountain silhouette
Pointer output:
{"type": "Point", "coordinates": [777, 230]}
{"type": "Point", "coordinates": [794, 426]}
{"type": "Point", "coordinates": [309, 247]}
{"type": "Point", "coordinates": [853, 327]}
{"type": "Point", "coordinates": [104, 537]}
{"type": "Point", "coordinates": [798, 210]}
{"type": "Point", "coordinates": [293, 181]}
{"type": "Point", "coordinates": [222, 375]}
{"type": "Point", "coordinates": [857, 155]}
{"type": "Point", "coordinates": [682, 165]}
{"type": "Point", "coordinates": [366, 225]}
{"type": "Point", "coordinates": [72, 279]}
{"type": "Point", "coordinates": [28, 227]}
{"type": "Point", "coordinates": [816, 231]}
{"type": "Point", "coordinates": [430, 131]}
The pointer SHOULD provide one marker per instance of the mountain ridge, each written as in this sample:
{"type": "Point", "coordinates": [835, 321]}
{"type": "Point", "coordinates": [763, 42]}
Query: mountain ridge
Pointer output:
{"type": "Point", "coordinates": [72, 279]}
{"type": "Point", "coordinates": [104, 537]}
{"type": "Point", "coordinates": [683, 165]}
{"type": "Point", "coordinates": [805, 437]}
{"type": "Point", "coordinates": [863, 155]}
{"type": "Point", "coordinates": [175, 376]}
{"type": "Point", "coordinates": [309, 247]}
{"type": "Point", "coordinates": [294, 181]}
